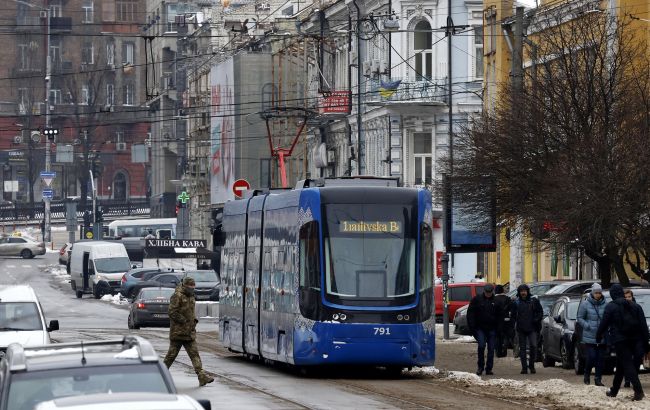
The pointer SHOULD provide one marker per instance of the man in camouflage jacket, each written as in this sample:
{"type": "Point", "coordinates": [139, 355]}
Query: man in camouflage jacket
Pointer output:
{"type": "Point", "coordinates": [182, 330]}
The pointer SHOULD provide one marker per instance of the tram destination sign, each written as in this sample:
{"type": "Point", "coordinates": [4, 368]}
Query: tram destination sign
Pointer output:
{"type": "Point", "coordinates": [175, 243]}
{"type": "Point", "coordinates": [371, 226]}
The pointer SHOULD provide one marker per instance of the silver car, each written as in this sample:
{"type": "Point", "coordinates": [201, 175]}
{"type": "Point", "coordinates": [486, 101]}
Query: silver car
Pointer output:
{"type": "Point", "coordinates": [21, 246]}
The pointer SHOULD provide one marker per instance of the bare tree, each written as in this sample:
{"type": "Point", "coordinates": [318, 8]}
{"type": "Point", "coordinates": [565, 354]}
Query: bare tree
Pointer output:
{"type": "Point", "coordinates": [569, 152]}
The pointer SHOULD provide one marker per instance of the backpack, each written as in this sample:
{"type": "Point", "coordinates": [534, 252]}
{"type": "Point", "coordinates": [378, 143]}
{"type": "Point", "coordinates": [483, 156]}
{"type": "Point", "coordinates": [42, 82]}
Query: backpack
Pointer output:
{"type": "Point", "coordinates": [629, 325]}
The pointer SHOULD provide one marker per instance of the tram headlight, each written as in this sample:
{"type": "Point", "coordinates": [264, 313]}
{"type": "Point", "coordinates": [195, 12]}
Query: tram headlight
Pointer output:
{"type": "Point", "coordinates": [335, 316]}
{"type": "Point", "coordinates": [406, 317]}
{"type": "Point", "coordinates": [400, 317]}
{"type": "Point", "coordinates": [343, 316]}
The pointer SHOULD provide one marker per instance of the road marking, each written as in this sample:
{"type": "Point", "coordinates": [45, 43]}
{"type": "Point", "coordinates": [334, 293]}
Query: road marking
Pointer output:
{"type": "Point", "coordinates": [26, 266]}
{"type": "Point", "coordinates": [11, 266]}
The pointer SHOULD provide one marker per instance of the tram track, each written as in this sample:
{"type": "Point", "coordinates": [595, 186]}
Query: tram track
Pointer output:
{"type": "Point", "coordinates": [407, 392]}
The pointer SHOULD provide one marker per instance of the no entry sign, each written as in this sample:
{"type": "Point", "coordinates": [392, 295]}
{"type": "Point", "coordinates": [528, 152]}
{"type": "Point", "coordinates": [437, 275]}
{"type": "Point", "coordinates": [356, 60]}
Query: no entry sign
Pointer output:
{"type": "Point", "coordinates": [239, 187]}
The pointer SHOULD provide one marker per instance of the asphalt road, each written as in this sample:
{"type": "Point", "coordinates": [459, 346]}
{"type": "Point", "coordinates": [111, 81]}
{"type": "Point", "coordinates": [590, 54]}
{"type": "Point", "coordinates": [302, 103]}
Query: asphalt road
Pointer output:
{"type": "Point", "coordinates": [241, 384]}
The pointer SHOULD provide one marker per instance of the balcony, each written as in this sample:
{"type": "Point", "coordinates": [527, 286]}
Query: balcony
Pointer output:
{"type": "Point", "coordinates": [27, 24]}
{"type": "Point", "coordinates": [406, 91]}
{"type": "Point", "coordinates": [60, 24]}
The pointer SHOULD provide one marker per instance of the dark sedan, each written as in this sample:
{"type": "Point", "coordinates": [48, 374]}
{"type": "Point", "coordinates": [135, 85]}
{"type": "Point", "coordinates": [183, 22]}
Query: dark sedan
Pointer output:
{"type": "Point", "coordinates": [150, 308]}
{"type": "Point", "coordinates": [155, 280]}
{"type": "Point", "coordinates": [558, 329]}
{"type": "Point", "coordinates": [206, 285]}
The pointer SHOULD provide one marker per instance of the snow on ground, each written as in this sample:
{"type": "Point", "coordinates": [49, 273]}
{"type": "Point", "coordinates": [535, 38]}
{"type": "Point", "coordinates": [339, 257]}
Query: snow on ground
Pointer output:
{"type": "Point", "coordinates": [59, 272]}
{"type": "Point", "coordinates": [425, 371]}
{"type": "Point", "coordinates": [572, 394]}
{"type": "Point", "coordinates": [459, 339]}
{"type": "Point", "coordinates": [117, 299]}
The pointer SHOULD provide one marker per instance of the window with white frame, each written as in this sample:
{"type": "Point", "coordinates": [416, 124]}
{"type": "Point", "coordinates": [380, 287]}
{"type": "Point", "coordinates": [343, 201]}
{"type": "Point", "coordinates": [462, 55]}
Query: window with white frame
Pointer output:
{"type": "Point", "coordinates": [23, 100]}
{"type": "Point", "coordinates": [88, 53]}
{"type": "Point", "coordinates": [87, 11]}
{"type": "Point", "coordinates": [56, 10]}
{"type": "Point", "coordinates": [125, 10]}
{"type": "Point", "coordinates": [422, 49]}
{"type": "Point", "coordinates": [23, 56]}
{"type": "Point", "coordinates": [55, 51]}
{"type": "Point", "coordinates": [110, 53]}
{"type": "Point", "coordinates": [127, 94]}
{"type": "Point", "coordinates": [491, 24]}
{"type": "Point", "coordinates": [127, 53]}
{"type": "Point", "coordinates": [110, 94]}
{"type": "Point", "coordinates": [477, 49]}
{"type": "Point", "coordinates": [422, 158]}
{"type": "Point", "coordinates": [55, 97]}
{"type": "Point", "coordinates": [171, 18]}
{"type": "Point", "coordinates": [85, 95]}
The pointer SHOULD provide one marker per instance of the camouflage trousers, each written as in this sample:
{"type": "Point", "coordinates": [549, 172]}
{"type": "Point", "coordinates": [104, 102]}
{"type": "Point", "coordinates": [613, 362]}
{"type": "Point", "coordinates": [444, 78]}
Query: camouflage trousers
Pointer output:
{"type": "Point", "coordinates": [191, 349]}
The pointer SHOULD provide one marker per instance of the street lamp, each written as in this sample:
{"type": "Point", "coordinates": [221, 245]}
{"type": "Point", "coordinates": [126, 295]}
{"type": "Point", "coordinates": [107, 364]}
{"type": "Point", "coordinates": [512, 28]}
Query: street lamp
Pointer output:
{"type": "Point", "coordinates": [48, 74]}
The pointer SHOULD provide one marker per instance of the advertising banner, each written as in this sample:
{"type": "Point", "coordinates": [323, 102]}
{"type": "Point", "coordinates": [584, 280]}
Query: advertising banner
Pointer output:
{"type": "Point", "coordinates": [222, 133]}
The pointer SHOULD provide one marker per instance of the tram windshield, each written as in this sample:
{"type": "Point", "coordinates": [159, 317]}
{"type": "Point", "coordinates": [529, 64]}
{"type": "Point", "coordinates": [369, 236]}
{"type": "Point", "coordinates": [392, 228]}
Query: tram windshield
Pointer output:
{"type": "Point", "coordinates": [369, 254]}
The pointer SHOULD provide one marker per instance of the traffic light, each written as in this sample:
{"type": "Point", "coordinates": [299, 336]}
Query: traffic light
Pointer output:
{"type": "Point", "coordinates": [178, 207]}
{"type": "Point", "coordinates": [87, 218]}
{"type": "Point", "coordinates": [99, 215]}
{"type": "Point", "coordinates": [50, 133]}
{"type": "Point", "coordinates": [97, 168]}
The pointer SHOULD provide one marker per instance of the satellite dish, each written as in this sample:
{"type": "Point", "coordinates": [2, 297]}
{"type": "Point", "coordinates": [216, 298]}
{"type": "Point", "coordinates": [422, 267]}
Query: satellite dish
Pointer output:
{"type": "Point", "coordinates": [36, 136]}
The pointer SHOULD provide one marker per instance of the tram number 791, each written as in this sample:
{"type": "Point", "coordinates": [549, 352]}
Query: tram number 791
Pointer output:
{"type": "Point", "coordinates": [382, 331]}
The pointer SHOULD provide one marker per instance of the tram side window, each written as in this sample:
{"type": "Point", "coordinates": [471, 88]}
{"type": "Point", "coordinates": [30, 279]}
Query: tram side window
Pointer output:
{"type": "Point", "coordinates": [310, 256]}
{"type": "Point", "coordinates": [426, 257]}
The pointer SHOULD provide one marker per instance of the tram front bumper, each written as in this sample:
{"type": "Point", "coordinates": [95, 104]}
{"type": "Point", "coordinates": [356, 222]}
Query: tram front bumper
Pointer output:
{"type": "Point", "coordinates": [367, 344]}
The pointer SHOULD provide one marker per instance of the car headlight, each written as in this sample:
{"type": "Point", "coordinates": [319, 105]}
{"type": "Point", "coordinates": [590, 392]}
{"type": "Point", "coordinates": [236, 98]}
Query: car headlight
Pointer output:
{"type": "Point", "coordinates": [100, 277]}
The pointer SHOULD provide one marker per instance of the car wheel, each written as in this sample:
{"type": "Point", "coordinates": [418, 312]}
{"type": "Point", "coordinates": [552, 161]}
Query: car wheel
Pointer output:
{"type": "Point", "coordinates": [73, 285]}
{"type": "Point", "coordinates": [567, 363]}
{"type": "Point", "coordinates": [578, 364]}
{"type": "Point", "coordinates": [546, 360]}
{"type": "Point", "coordinates": [26, 254]}
{"type": "Point", "coordinates": [134, 324]}
{"type": "Point", "coordinates": [96, 293]}
{"type": "Point", "coordinates": [79, 294]}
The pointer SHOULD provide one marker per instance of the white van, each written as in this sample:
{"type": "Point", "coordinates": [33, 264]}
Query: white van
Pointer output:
{"type": "Point", "coordinates": [97, 267]}
{"type": "Point", "coordinates": [21, 318]}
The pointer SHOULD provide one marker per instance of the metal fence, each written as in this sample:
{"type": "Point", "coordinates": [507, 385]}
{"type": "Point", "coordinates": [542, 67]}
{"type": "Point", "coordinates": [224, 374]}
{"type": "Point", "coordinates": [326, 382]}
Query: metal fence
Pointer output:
{"type": "Point", "coordinates": [112, 210]}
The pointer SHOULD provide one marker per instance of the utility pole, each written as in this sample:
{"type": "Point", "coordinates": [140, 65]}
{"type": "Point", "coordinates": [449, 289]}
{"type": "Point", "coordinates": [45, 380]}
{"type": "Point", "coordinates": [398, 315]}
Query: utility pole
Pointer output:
{"type": "Point", "coordinates": [360, 140]}
{"type": "Point", "coordinates": [450, 30]}
{"type": "Point", "coordinates": [48, 160]}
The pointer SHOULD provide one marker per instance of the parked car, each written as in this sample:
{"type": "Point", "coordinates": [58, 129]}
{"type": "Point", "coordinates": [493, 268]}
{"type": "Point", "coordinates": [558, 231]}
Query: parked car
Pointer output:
{"type": "Point", "coordinates": [29, 376]}
{"type": "Point", "coordinates": [22, 319]}
{"type": "Point", "coordinates": [135, 275]}
{"type": "Point", "coordinates": [22, 246]}
{"type": "Point", "coordinates": [64, 255]}
{"type": "Point", "coordinates": [642, 297]}
{"type": "Point", "coordinates": [155, 280]}
{"type": "Point", "coordinates": [459, 295]}
{"type": "Point", "coordinates": [207, 285]}
{"type": "Point", "coordinates": [150, 307]}
{"type": "Point", "coordinates": [558, 328]}
{"type": "Point", "coordinates": [572, 286]}
{"type": "Point", "coordinates": [460, 317]}
{"type": "Point", "coordinates": [131, 401]}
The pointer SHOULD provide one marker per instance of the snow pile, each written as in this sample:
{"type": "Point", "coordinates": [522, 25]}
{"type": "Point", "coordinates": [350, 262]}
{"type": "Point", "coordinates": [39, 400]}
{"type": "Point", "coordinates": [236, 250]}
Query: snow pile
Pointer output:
{"type": "Point", "coordinates": [131, 353]}
{"type": "Point", "coordinates": [568, 394]}
{"type": "Point", "coordinates": [117, 299]}
{"type": "Point", "coordinates": [425, 371]}
{"type": "Point", "coordinates": [459, 339]}
{"type": "Point", "coordinates": [59, 272]}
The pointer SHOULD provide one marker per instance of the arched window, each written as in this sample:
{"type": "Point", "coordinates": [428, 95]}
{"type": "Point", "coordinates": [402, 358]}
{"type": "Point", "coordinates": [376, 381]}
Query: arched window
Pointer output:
{"type": "Point", "coordinates": [120, 186]}
{"type": "Point", "coordinates": [422, 48]}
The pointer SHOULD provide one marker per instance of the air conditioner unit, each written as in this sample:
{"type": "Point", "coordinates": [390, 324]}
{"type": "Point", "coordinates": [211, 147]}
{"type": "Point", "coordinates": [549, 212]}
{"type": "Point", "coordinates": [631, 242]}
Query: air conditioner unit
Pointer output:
{"type": "Point", "coordinates": [366, 67]}
{"type": "Point", "coordinates": [120, 146]}
{"type": "Point", "coordinates": [375, 66]}
{"type": "Point", "coordinates": [331, 157]}
{"type": "Point", "coordinates": [18, 139]}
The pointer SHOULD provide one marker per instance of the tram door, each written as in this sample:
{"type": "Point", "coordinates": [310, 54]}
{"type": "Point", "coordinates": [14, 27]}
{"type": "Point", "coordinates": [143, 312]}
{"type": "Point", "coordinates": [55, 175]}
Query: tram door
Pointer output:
{"type": "Point", "coordinates": [252, 277]}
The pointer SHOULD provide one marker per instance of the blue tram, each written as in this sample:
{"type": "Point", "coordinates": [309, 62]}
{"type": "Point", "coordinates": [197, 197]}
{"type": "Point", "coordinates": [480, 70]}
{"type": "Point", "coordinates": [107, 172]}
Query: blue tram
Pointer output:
{"type": "Point", "coordinates": [329, 274]}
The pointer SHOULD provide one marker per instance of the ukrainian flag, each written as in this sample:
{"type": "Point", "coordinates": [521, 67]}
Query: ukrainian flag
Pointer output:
{"type": "Point", "coordinates": [388, 88]}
